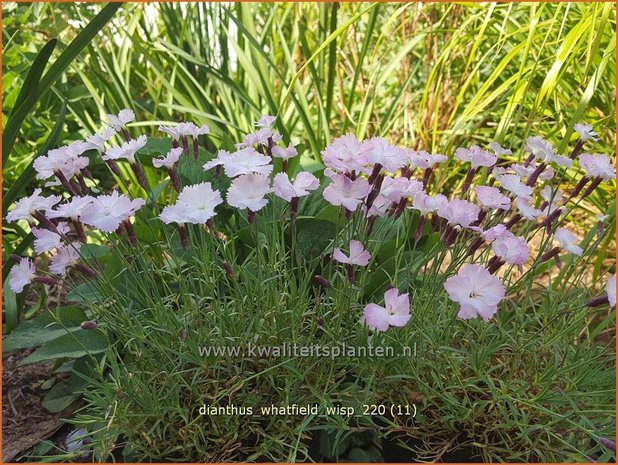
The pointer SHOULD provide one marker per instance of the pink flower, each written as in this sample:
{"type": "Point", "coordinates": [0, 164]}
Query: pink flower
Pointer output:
{"type": "Point", "coordinates": [106, 212]}
{"type": "Point", "coordinates": [168, 160]}
{"type": "Point", "coordinates": [303, 185]}
{"type": "Point", "coordinates": [490, 197]}
{"type": "Point", "coordinates": [344, 191]}
{"type": "Point", "coordinates": [567, 241]}
{"type": "Point", "coordinates": [65, 258]}
{"type": "Point", "coordinates": [358, 255]}
{"type": "Point", "coordinates": [585, 132]}
{"type": "Point", "coordinates": [378, 151]}
{"type": "Point", "coordinates": [127, 150]}
{"type": "Point", "coordinates": [260, 137]}
{"type": "Point", "coordinates": [522, 170]}
{"type": "Point", "coordinates": [72, 209]}
{"type": "Point", "coordinates": [499, 150]}
{"type": "Point", "coordinates": [187, 129]}
{"type": "Point", "coordinates": [427, 204]}
{"type": "Point", "coordinates": [46, 241]}
{"type": "Point", "coordinates": [476, 156]}
{"type": "Point", "coordinates": [195, 204]}
{"type": "Point", "coordinates": [610, 288]}
{"type": "Point", "coordinates": [344, 155]}
{"type": "Point", "coordinates": [597, 166]}
{"type": "Point", "coordinates": [395, 188]}
{"type": "Point", "coordinates": [495, 232]}
{"type": "Point", "coordinates": [379, 207]}
{"type": "Point", "coordinates": [243, 161]}
{"type": "Point", "coordinates": [27, 206]}
{"type": "Point", "coordinates": [477, 292]}
{"type": "Point", "coordinates": [543, 151]}
{"type": "Point", "coordinates": [120, 121]}
{"type": "Point", "coordinates": [513, 184]}
{"type": "Point", "coordinates": [395, 313]}
{"type": "Point", "coordinates": [526, 209]}
{"type": "Point", "coordinates": [265, 121]}
{"type": "Point", "coordinates": [284, 153]}
{"type": "Point", "coordinates": [511, 249]}
{"type": "Point", "coordinates": [249, 191]}
{"type": "Point", "coordinates": [424, 160]}
{"type": "Point", "coordinates": [22, 274]}
{"type": "Point", "coordinates": [459, 212]}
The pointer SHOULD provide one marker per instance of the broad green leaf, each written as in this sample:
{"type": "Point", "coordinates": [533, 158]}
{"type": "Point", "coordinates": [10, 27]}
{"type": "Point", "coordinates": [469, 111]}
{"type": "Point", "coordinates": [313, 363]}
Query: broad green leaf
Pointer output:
{"type": "Point", "coordinates": [44, 328]}
{"type": "Point", "coordinates": [72, 345]}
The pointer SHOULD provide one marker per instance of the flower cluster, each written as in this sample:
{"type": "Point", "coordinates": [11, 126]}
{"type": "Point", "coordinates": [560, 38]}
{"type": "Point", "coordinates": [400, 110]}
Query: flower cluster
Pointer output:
{"type": "Point", "coordinates": [367, 180]}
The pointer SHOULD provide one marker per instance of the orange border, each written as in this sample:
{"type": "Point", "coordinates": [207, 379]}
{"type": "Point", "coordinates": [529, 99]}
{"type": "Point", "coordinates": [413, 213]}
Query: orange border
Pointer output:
{"type": "Point", "coordinates": [280, 1]}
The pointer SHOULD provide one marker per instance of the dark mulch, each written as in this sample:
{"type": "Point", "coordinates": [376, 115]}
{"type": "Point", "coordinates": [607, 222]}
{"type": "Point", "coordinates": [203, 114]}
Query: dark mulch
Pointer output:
{"type": "Point", "coordinates": [25, 422]}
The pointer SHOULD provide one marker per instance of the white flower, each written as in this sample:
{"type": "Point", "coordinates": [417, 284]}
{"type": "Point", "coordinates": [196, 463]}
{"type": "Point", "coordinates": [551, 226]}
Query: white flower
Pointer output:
{"type": "Point", "coordinates": [284, 153]}
{"type": "Point", "coordinates": [120, 121]}
{"type": "Point", "coordinates": [610, 288]}
{"type": "Point", "coordinates": [490, 197]}
{"type": "Point", "coordinates": [66, 257]}
{"type": "Point", "coordinates": [127, 150]}
{"type": "Point", "coordinates": [597, 166]}
{"type": "Point", "coordinates": [394, 189]}
{"type": "Point", "coordinates": [513, 184]}
{"type": "Point", "coordinates": [260, 137]}
{"type": "Point", "coordinates": [248, 191]}
{"type": "Point", "coordinates": [72, 209]}
{"type": "Point", "coordinates": [106, 212]}
{"type": "Point", "coordinates": [65, 159]}
{"type": "Point", "coordinates": [585, 132]}
{"type": "Point", "coordinates": [499, 150]}
{"type": "Point", "coordinates": [496, 232]}
{"type": "Point", "coordinates": [344, 155]}
{"type": "Point", "coordinates": [358, 255]}
{"type": "Point", "coordinates": [265, 121]}
{"type": "Point", "coordinates": [512, 249]}
{"type": "Point", "coordinates": [459, 212]}
{"type": "Point", "coordinates": [27, 206]}
{"type": "Point", "coordinates": [22, 274]}
{"type": "Point", "coordinates": [195, 204]}
{"type": "Point", "coordinates": [243, 161]}
{"type": "Point", "coordinates": [543, 151]}
{"type": "Point", "coordinates": [427, 204]}
{"type": "Point", "coordinates": [46, 240]}
{"type": "Point", "coordinates": [168, 160]}
{"type": "Point", "coordinates": [97, 141]}
{"type": "Point", "coordinates": [185, 129]}
{"type": "Point", "coordinates": [526, 209]}
{"type": "Point", "coordinates": [377, 150]}
{"type": "Point", "coordinates": [303, 185]}
{"type": "Point", "coordinates": [567, 241]}
{"type": "Point", "coordinates": [379, 207]}
{"type": "Point", "coordinates": [476, 156]}
{"type": "Point", "coordinates": [423, 159]}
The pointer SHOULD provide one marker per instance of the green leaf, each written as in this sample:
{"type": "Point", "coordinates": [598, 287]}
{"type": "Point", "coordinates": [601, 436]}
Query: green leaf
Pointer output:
{"type": "Point", "coordinates": [11, 309]}
{"type": "Point", "coordinates": [86, 292]}
{"type": "Point", "coordinates": [63, 394]}
{"type": "Point", "coordinates": [72, 345]}
{"type": "Point", "coordinates": [56, 69]}
{"type": "Point", "coordinates": [26, 99]}
{"type": "Point", "coordinates": [314, 235]}
{"type": "Point", "coordinates": [29, 174]}
{"type": "Point", "coordinates": [44, 328]}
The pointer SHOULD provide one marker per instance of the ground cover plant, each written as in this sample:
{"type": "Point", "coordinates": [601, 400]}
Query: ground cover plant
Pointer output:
{"type": "Point", "coordinates": [205, 265]}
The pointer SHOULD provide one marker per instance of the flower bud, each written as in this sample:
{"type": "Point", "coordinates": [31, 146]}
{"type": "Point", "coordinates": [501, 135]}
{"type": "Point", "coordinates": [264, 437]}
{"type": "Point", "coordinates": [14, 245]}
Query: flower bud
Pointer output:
{"type": "Point", "coordinates": [321, 281]}
{"type": "Point", "coordinates": [89, 324]}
